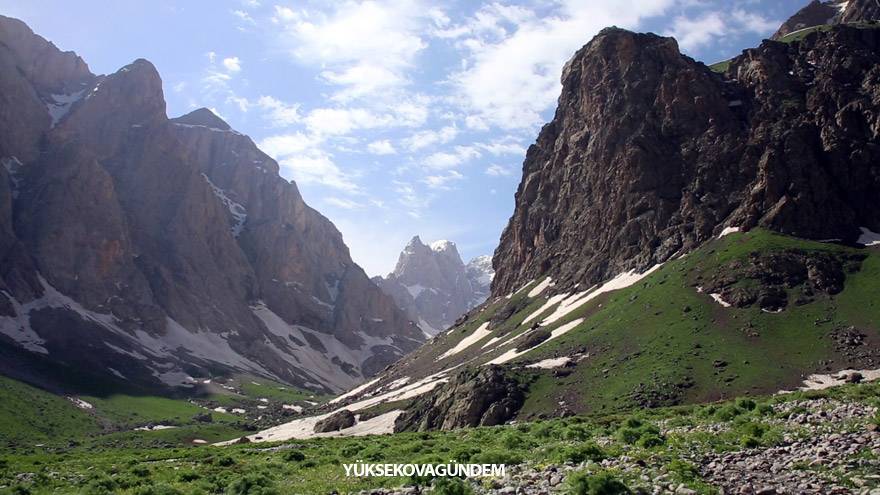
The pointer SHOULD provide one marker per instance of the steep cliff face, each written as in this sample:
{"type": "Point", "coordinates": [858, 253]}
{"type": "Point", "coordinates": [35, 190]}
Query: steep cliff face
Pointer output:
{"type": "Point", "coordinates": [434, 286]}
{"type": "Point", "coordinates": [125, 234]}
{"type": "Point", "coordinates": [651, 154]}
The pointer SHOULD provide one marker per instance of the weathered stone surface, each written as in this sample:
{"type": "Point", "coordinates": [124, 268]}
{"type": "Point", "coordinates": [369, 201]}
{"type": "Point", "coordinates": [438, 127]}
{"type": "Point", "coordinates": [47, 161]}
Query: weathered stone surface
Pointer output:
{"type": "Point", "coordinates": [178, 237]}
{"type": "Point", "coordinates": [338, 421]}
{"type": "Point", "coordinates": [651, 154]}
{"type": "Point", "coordinates": [474, 397]}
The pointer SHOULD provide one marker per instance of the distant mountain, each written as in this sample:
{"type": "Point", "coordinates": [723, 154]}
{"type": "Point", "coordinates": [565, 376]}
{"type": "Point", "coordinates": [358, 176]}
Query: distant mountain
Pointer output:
{"type": "Point", "coordinates": [434, 286]}
{"type": "Point", "coordinates": [830, 12]}
{"type": "Point", "coordinates": [152, 252]}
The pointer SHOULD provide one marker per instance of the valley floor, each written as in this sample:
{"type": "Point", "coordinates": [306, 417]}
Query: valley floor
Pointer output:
{"type": "Point", "coordinates": [819, 441]}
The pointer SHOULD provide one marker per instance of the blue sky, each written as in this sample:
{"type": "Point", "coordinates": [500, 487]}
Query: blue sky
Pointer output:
{"type": "Point", "coordinates": [395, 118]}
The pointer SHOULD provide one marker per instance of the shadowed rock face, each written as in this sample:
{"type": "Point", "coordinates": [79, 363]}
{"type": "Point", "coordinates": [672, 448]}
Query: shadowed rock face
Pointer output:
{"type": "Point", "coordinates": [476, 397]}
{"type": "Point", "coordinates": [174, 240]}
{"type": "Point", "coordinates": [434, 286]}
{"type": "Point", "coordinates": [650, 154]}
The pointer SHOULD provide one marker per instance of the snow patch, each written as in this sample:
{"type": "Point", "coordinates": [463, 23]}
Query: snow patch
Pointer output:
{"type": "Point", "coordinates": [728, 231]}
{"type": "Point", "coordinates": [354, 391]}
{"type": "Point", "coordinates": [239, 213]}
{"type": "Point", "coordinates": [60, 104]}
{"type": "Point", "coordinates": [305, 428]}
{"type": "Point", "coordinates": [821, 382]}
{"type": "Point", "coordinates": [155, 428]}
{"type": "Point", "coordinates": [869, 238]}
{"type": "Point", "coordinates": [547, 282]}
{"type": "Point", "coordinates": [80, 403]}
{"type": "Point", "coordinates": [415, 290]}
{"type": "Point", "coordinates": [479, 334]}
{"type": "Point", "coordinates": [555, 333]}
{"type": "Point", "coordinates": [292, 407]}
{"type": "Point", "coordinates": [575, 301]}
{"type": "Point", "coordinates": [551, 363]}
{"type": "Point", "coordinates": [717, 298]}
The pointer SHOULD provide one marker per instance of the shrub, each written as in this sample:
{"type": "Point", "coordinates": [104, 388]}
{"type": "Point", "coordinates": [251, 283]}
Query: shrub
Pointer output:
{"type": "Point", "coordinates": [599, 484]}
{"type": "Point", "coordinates": [629, 435]}
{"type": "Point", "coordinates": [293, 456]}
{"type": "Point", "coordinates": [580, 453]}
{"type": "Point", "coordinates": [160, 489]}
{"type": "Point", "coordinates": [225, 461]}
{"type": "Point", "coordinates": [648, 440]}
{"type": "Point", "coordinates": [746, 404]}
{"type": "Point", "coordinates": [252, 484]}
{"type": "Point", "coordinates": [451, 486]}
{"type": "Point", "coordinates": [685, 470]}
{"type": "Point", "coordinates": [576, 432]}
{"type": "Point", "coordinates": [728, 412]}
{"type": "Point", "coordinates": [140, 471]}
{"type": "Point", "coordinates": [188, 476]}
{"type": "Point", "coordinates": [102, 485]}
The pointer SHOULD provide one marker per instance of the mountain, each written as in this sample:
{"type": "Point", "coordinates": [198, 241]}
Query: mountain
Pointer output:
{"type": "Point", "coordinates": [680, 235]}
{"type": "Point", "coordinates": [150, 252]}
{"type": "Point", "coordinates": [434, 286]}
{"type": "Point", "coordinates": [819, 13]}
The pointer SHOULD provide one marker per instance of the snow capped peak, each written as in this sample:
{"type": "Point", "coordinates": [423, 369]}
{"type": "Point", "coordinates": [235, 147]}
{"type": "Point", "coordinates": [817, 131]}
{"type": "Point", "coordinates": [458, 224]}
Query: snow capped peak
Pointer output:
{"type": "Point", "coordinates": [442, 245]}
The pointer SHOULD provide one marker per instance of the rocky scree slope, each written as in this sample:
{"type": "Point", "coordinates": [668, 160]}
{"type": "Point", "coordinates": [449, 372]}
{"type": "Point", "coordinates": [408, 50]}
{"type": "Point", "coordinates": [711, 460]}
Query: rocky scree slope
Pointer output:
{"type": "Point", "coordinates": [624, 278]}
{"type": "Point", "coordinates": [149, 251]}
{"type": "Point", "coordinates": [434, 286]}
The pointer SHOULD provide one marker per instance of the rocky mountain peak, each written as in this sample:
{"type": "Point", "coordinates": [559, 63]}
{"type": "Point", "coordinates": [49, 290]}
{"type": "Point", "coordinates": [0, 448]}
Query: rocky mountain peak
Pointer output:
{"type": "Point", "coordinates": [203, 117]}
{"type": "Point", "coordinates": [650, 154]}
{"type": "Point", "coordinates": [433, 285]}
{"type": "Point", "coordinates": [125, 233]}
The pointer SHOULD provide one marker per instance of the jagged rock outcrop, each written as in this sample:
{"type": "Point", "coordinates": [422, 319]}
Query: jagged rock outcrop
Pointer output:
{"type": "Point", "coordinates": [650, 154]}
{"type": "Point", "coordinates": [335, 422]}
{"type": "Point", "coordinates": [818, 13]}
{"type": "Point", "coordinates": [434, 286]}
{"type": "Point", "coordinates": [156, 250]}
{"type": "Point", "coordinates": [485, 396]}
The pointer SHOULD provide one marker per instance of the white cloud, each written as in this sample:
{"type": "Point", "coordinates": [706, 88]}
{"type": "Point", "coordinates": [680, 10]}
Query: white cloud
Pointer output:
{"type": "Point", "coordinates": [343, 203]}
{"type": "Point", "coordinates": [443, 181]}
{"type": "Point", "coordinates": [288, 144]}
{"type": "Point", "coordinates": [447, 159]}
{"type": "Point", "coordinates": [505, 146]}
{"type": "Point", "coordinates": [212, 56]}
{"type": "Point", "coordinates": [364, 47]}
{"type": "Point", "coordinates": [281, 114]}
{"type": "Point", "coordinates": [695, 32]}
{"type": "Point", "coordinates": [515, 55]}
{"type": "Point", "coordinates": [244, 16]}
{"type": "Point", "coordinates": [319, 168]}
{"type": "Point", "coordinates": [232, 64]}
{"type": "Point", "coordinates": [383, 147]}
{"type": "Point", "coordinates": [344, 120]}
{"type": "Point", "coordinates": [429, 137]}
{"type": "Point", "coordinates": [498, 171]}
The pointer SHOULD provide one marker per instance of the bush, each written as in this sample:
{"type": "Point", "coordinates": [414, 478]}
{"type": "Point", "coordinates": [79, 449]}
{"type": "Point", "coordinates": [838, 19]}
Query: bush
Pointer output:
{"type": "Point", "coordinates": [252, 484]}
{"type": "Point", "coordinates": [160, 489]}
{"type": "Point", "coordinates": [649, 440]}
{"type": "Point", "coordinates": [188, 476]}
{"type": "Point", "coordinates": [685, 470]}
{"type": "Point", "coordinates": [746, 404]}
{"type": "Point", "coordinates": [451, 486]}
{"type": "Point", "coordinates": [599, 484]}
{"type": "Point", "coordinates": [102, 485]}
{"type": "Point", "coordinates": [293, 456]}
{"type": "Point", "coordinates": [629, 435]}
{"type": "Point", "coordinates": [580, 453]}
{"type": "Point", "coordinates": [576, 432]}
{"type": "Point", "coordinates": [728, 412]}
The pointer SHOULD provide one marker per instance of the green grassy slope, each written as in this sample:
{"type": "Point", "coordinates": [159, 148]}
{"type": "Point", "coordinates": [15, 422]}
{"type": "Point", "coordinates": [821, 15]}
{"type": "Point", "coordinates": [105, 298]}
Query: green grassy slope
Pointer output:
{"type": "Point", "coordinates": [664, 440]}
{"type": "Point", "coordinates": [662, 341]}
{"type": "Point", "coordinates": [662, 332]}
